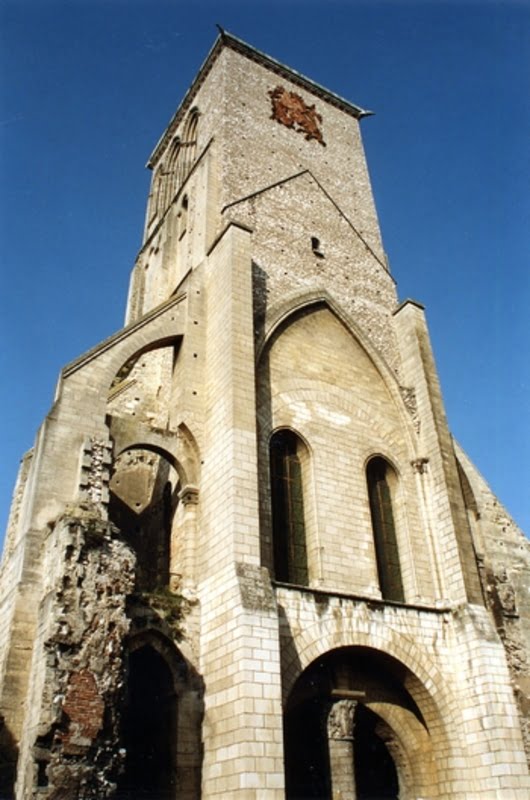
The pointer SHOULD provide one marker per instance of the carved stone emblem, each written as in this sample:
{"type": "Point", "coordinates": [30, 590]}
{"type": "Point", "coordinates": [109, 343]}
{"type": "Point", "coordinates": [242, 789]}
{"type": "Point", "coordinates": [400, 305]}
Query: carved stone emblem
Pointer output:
{"type": "Point", "coordinates": [290, 110]}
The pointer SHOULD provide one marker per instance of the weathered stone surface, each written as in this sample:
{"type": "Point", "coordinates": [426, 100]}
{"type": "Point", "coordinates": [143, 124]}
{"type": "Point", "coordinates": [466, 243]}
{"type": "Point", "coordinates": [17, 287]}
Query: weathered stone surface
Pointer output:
{"type": "Point", "coordinates": [255, 587]}
{"type": "Point", "coordinates": [77, 749]}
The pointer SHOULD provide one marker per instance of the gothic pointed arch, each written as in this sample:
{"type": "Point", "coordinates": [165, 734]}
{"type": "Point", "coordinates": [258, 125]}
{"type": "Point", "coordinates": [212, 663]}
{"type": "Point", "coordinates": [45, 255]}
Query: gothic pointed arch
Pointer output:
{"type": "Point", "coordinates": [158, 193]}
{"type": "Point", "coordinates": [418, 672]}
{"type": "Point", "coordinates": [189, 142]}
{"type": "Point", "coordinates": [316, 377]}
{"type": "Point", "coordinates": [294, 304]}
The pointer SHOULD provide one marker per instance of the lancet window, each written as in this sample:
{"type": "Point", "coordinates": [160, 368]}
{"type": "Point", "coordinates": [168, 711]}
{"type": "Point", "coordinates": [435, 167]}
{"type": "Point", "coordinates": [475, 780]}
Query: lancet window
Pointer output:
{"type": "Point", "coordinates": [381, 480]}
{"type": "Point", "coordinates": [288, 515]}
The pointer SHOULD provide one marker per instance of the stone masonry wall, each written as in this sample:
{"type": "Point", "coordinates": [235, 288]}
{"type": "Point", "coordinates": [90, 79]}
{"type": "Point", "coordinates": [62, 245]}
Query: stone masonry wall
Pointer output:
{"type": "Point", "coordinates": [260, 150]}
{"type": "Point", "coordinates": [285, 220]}
{"type": "Point", "coordinates": [317, 379]}
{"type": "Point", "coordinates": [461, 684]}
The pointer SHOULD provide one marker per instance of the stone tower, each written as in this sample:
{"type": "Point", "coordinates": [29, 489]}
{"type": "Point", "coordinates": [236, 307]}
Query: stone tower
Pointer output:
{"type": "Point", "coordinates": [245, 557]}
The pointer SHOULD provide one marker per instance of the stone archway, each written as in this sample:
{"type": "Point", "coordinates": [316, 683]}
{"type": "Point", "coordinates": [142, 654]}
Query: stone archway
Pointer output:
{"type": "Point", "coordinates": [149, 728]}
{"type": "Point", "coordinates": [352, 730]}
{"type": "Point", "coordinates": [161, 721]}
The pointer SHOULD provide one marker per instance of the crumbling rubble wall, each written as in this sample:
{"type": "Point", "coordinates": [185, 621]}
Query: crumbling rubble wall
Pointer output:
{"type": "Point", "coordinates": [71, 744]}
{"type": "Point", "coordinates": [503, 554]}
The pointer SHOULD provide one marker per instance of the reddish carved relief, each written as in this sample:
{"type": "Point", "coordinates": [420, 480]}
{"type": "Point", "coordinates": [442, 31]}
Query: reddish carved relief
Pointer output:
{"type": "Point", "coordinates": [290, 110]}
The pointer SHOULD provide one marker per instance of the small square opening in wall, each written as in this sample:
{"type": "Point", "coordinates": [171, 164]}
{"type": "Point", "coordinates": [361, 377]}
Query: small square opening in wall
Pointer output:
{"type": "Point", "coordinates": [316, 248]}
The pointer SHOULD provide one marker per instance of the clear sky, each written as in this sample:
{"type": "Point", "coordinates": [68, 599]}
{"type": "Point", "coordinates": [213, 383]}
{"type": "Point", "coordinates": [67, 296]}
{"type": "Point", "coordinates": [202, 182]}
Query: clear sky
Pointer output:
{"type": "Point", "coordinates": [88, 87]}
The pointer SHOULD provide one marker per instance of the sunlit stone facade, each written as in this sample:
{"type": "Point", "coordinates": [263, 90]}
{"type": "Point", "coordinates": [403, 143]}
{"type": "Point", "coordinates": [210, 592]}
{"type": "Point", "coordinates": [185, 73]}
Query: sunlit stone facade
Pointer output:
{"type": "Point", "coordinates": [245, 557]}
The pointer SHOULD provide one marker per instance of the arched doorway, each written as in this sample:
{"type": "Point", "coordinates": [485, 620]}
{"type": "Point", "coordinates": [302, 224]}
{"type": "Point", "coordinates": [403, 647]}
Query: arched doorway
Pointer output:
{"type": "Point", "coordinates": [353, 730]}
{"type": "Point", "coordinates": [149, 729]}
{"type": "Point", "coordinates": [161, 721]}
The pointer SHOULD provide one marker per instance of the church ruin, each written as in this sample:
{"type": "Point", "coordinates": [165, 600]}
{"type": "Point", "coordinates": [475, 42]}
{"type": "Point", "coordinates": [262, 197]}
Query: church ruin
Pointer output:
{"type": "Point", "coordinates": [245, 557]}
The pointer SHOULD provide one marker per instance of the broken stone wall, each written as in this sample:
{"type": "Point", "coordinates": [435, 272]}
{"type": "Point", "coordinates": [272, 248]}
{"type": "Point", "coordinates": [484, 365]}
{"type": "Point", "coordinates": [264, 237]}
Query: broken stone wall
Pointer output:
{"type": "Point", "coordinates": [503, 554]}
{"type": "Point", "coordinates": [70, 749]}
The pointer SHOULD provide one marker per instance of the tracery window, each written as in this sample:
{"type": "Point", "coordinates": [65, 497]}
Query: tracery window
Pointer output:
{"type": "Point", "coordinates": [381, 480]}
{"type": "Point", "coordinates": [172, 172]}
{"type": "Point", "coordinates": [189, 142]}
{"type": "Point", "coordinates": [180, 159]}
{"type": "Point", "coordinates": [288, 516]}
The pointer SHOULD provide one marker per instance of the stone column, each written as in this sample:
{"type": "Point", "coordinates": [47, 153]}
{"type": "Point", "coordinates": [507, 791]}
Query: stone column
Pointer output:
{"type": "Point", "coordinates": [189, 497]}
{"type": "Point", "coordinates": [340, 743]}
{"type": "Point", "coordinates": [184, 542]}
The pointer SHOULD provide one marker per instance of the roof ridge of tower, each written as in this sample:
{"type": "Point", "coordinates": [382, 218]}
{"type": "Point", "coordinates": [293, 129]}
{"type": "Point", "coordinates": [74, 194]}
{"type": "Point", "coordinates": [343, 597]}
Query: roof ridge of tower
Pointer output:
{"type": "Point", "coordinates": [225, 39]}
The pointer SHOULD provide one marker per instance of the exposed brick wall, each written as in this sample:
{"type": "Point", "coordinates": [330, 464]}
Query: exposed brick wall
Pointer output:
{"type": "Point", "coordinates": [84, 708]}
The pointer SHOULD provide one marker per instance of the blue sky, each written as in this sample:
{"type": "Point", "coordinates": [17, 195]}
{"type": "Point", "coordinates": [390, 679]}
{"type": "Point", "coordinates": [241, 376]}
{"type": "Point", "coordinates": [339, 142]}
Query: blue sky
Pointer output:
{"type": "Point", "coordinates": [88, 87]}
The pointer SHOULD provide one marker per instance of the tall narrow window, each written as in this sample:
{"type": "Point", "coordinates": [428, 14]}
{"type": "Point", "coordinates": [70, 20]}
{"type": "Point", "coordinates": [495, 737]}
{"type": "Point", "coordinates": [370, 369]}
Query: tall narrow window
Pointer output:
{"type": "Point", "coordinates": [183, 217]}
{"type": "Point", "coordinates": [189, 142]}
{"type": "Point", "coordinates": [157, 194]}
{"type": "Point", "coordinates": [379, 476]}
{"type": "Point", "coordinates": [173, 165]}
{"type": "Point", "coordinates": [288, 523]}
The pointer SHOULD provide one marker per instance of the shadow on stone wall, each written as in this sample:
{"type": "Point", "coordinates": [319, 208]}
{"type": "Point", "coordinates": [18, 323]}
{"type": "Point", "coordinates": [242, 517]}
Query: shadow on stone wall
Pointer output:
{"type": "Point", "coordinates": [8, 761]}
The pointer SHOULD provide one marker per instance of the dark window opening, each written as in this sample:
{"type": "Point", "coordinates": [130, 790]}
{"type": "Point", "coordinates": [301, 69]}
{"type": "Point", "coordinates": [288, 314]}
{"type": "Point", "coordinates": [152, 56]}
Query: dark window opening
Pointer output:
{"type": "Point", "coordinates": [42, 775]}
{"type": "Point", "coordinates": [388, 567]}
{"type": "Point", "coordinates": [288, 522]}
{"type": "Point", "coordinates": [315, 246]}
{"type": "Point", "coordinates": [183, 217]}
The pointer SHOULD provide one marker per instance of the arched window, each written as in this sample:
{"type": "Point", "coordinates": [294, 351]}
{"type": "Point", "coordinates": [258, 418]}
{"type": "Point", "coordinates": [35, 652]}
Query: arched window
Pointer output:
{"type": "Point", "coordinates": [381, 478]}
{"type": "Point", "coordinates": [173, 166]}
{"type": "Point", "coordinates": [288, 520]}
{"type": "Point", "coordinates": [189, 142]}
{"type": "Point", "coordinates": [157, 195]}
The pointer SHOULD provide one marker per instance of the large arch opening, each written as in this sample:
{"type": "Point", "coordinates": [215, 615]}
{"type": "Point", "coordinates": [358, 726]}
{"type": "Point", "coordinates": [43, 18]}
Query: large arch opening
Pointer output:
{"type": "Point", "coordinates": [143, 497]}
{"type": "Point", "coordinates": [149, 728]}
{"type": "Point", "coordinates": [352, 729]}
{"type": "Point", "coordinates": [161, 722]}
